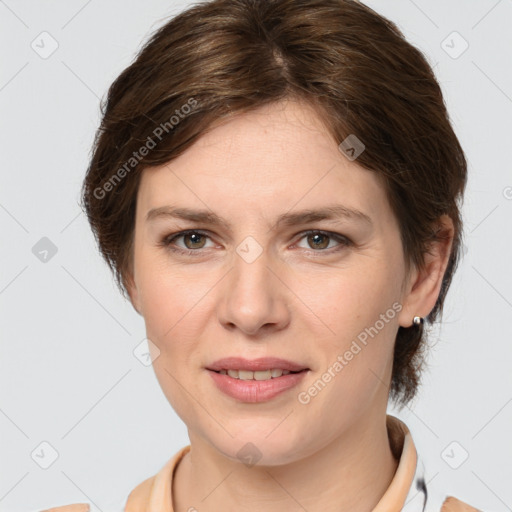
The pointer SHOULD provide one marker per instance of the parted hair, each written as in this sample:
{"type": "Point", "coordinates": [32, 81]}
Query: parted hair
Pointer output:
{"type": "Point", "coordinates": [221, 58]}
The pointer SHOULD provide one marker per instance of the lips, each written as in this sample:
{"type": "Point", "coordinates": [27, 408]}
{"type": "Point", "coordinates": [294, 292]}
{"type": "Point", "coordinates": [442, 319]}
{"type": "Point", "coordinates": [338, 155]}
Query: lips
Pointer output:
{"type": "Point", "coordinates": [255, 390]}
{"type": "Point", "coordinates": [254, 365]}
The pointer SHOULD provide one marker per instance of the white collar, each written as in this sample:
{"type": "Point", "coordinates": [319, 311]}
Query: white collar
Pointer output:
{"type": "Point", "coordinates": [422, 495]}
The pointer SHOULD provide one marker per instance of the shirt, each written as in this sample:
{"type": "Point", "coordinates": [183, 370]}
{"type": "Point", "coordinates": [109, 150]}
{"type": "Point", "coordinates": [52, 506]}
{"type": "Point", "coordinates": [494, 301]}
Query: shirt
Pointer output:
{"type": "Point", "coordinates": [407, 492]}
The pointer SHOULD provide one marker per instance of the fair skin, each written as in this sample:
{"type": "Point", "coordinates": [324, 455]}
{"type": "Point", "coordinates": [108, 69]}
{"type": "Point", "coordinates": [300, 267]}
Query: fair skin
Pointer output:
{"type": "Point", "coordinates": [304, 299]}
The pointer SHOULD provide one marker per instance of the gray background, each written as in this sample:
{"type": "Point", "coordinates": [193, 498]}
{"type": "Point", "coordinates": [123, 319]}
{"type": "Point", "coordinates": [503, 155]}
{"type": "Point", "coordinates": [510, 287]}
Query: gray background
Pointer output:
{"type": "Point", "coordinates": [68, 375]}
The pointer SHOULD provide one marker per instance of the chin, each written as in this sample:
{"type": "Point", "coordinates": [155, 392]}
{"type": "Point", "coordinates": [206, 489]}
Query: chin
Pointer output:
{"type": "Point", "coordinates": [257, 447]}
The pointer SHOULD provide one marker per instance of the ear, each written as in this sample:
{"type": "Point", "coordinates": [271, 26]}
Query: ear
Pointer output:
{"type": "Point", "coordinates": [423, 286]}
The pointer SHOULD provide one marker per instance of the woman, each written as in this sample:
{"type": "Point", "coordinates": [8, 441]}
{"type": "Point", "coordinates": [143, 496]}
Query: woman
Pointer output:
{"type": "Point", "coordinates": [276, 186]}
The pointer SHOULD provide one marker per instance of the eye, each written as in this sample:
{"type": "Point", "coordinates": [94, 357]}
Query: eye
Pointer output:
{"type": "Point", "coordinates": [320, 240]}
{"type": "Point", "coordinates": [195, 240]}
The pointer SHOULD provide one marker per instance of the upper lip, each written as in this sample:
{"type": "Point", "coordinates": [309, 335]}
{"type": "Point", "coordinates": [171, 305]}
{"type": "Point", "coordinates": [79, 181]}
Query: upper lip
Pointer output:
{"type": "Point", "coordinates": [262, 363]}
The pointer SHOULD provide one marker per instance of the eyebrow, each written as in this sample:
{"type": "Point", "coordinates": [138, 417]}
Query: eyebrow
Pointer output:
{"type": "Point", "coordinates": [330, 212]}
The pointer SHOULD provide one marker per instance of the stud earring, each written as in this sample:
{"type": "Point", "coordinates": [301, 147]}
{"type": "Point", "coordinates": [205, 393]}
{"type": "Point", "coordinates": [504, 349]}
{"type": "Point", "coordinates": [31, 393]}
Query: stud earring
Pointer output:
{"type": "Point", "coordinates": [417, 321]}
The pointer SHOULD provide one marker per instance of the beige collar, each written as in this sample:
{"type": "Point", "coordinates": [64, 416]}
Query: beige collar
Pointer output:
{"type": "Point", "coordinates": [402, 446]}
{"type": "Point", "coordinates": [154, 493]}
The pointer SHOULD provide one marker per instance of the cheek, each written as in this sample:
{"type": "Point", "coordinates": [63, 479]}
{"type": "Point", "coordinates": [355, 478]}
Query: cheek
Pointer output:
{"type": "Point", "coordinates": [170, 302]}
{"type": "Point", "coordinates": [355, 324]}
{"type": "Point", "coordinates": [169, 297]}
{"type": "Point", "coordinates": [344, 301]}
{"type": "Point", "coordinates": [356, 359]}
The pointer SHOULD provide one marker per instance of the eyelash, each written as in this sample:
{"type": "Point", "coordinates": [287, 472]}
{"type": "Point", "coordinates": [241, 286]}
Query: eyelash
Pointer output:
{"type": "Point", "coordinates": [167, 241]}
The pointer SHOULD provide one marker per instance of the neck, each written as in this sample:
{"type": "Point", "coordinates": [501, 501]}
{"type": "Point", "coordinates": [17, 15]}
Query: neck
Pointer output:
{"type": "Point", "coordinates": [350, 473]}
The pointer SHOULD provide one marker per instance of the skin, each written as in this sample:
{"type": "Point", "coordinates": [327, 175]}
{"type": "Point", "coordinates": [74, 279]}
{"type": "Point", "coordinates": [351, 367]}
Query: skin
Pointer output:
{"type": "Point", "coordinates": [297, 300]}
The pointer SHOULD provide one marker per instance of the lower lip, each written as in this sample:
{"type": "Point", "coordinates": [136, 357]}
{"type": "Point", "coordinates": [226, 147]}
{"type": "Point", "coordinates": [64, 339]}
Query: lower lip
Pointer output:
{"type": "Point", "coordinates": [256, 390]}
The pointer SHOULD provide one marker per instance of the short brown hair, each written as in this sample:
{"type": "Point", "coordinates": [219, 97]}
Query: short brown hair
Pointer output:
{"type": "Point", "coordinates": [226, 57]}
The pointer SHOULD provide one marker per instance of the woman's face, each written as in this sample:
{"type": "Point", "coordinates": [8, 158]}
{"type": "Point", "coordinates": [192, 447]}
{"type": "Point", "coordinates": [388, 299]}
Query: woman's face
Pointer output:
{"type": "Point", "coordinates": [328, 300]}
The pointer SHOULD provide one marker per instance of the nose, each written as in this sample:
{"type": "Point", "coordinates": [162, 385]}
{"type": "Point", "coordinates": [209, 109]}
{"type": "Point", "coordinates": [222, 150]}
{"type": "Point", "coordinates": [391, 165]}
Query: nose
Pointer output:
{"type": "Point", "coordinates": [254, 297]}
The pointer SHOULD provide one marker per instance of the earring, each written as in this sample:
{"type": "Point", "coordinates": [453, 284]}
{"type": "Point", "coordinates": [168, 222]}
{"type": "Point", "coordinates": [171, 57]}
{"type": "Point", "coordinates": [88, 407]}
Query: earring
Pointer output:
{"type": "Point", "coordinates": [417, 321]}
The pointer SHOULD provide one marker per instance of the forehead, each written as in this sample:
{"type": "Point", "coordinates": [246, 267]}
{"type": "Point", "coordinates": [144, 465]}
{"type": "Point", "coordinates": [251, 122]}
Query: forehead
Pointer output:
{"type": "Point", "coordinates": [274, 159]}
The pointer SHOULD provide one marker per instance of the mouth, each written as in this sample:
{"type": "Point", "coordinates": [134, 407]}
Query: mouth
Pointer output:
{"type": "Point", "coordinates": [259, 367]}
{"type": "Point", "coordinates": [257, 380]}
{"type": "Point", "coordinates": [255, 391]}
{"type": "Point", "coordinates": [259, 375]}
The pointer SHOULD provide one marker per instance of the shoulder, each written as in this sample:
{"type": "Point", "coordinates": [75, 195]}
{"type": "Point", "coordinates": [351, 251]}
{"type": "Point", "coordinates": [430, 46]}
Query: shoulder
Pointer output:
{"type": "Point", "coordinates": [137, 500]}
{"type": "Point", "coordinates": [139, 497]}
{"type": "Point", "coordinates": [75, 507]}
{"type": "Point", "coordinates": [452, 504]}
